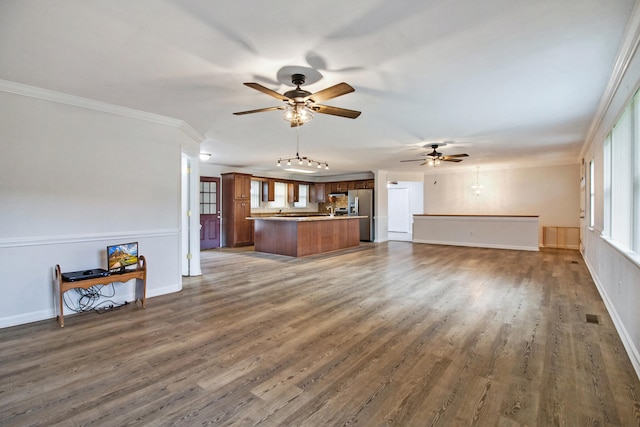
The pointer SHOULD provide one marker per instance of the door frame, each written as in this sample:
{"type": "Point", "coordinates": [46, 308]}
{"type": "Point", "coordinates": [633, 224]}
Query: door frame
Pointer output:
{"type": "Point", "coordinates": [190, 216]}
{"type": "Point", "coordinates": [218, 182]}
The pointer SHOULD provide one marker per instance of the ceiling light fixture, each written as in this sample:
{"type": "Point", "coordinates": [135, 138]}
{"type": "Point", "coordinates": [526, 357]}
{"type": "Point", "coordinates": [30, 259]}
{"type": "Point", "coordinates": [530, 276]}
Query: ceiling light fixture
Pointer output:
{"type": "Point", "coordinates": [298, 113]}
{"type": "Point", "coordinates": [205, 156]}
{"type": "Point", "coordinates": [301, 159]}
{"type": "Point", "coordinates": [477, 187]}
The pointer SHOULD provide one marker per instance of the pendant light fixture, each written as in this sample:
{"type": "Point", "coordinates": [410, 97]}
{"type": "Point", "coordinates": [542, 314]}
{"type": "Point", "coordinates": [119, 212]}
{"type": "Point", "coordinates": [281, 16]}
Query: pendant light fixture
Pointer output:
{"type": "Point", "coordinates": [477, 187]}
{"type": "Point", "coordinates": [301, 159]}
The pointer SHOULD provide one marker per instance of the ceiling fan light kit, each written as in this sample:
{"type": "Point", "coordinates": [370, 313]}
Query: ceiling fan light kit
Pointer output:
{"type": "Point", "coordinates": [300, 105]}
{"type": "Point", "coordinates": [434, 158]}
{"type": "Point", "coordinates": [297, 114]}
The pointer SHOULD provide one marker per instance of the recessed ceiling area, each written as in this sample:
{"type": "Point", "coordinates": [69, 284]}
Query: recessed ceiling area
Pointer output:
{"type": "Point", "coordinates": [507, 82]}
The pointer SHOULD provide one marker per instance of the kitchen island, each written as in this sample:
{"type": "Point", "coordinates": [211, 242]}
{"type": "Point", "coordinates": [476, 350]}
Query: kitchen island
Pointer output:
{"type": "Point", "coordinates": [304, 235]}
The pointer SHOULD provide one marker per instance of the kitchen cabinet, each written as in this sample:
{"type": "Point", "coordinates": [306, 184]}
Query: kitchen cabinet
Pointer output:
{"type": "Point", "coordinates": [317, 193]}
{"type": "Point", "coordinates": [329, 187]}
{"type": "Point", "coordinates": [237, 230]}
{"type": "Point", "coordinates": [341, 187]}
{"type": "Point", "coordinates": [268, 190]}
{"type": "Point", "coordinates": [364, 184]}
{"type": "Point", "coordinates": [294, 192]}
{"type": "Point", "coordinates": [241, 186]}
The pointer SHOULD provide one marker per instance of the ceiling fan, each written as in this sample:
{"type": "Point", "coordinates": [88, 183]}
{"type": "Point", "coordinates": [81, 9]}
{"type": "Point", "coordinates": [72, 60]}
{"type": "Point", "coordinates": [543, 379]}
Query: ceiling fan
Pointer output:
{"type": "Point", "coordinates": [434, 158]}
{"type": "Point", "coordinates": [300, 105]}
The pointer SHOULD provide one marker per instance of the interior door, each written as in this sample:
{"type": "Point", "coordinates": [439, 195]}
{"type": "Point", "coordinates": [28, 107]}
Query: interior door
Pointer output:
{"type": "Point", "coordinates": [209, 212]}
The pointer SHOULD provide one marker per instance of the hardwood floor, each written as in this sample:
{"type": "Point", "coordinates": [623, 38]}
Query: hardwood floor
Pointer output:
{"type": "Point", "coordinates": [386, 334]}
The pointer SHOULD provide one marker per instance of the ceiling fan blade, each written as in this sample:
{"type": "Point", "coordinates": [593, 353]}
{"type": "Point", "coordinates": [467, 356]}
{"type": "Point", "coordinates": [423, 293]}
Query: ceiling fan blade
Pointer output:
{"type": "Point", "coordinates": [260, 110]}
{"type": "Point", "coordinates": [335, 111]}
{"type": "Point", "coordinates": [268, 91]}
{"type": "Point", "coordinates": [458, 155]}
{"type": "Point", "coordinates": [446, 159]}
{"type": "Point", "coordinates": [330, 92]}
{"type": "Point", "coordinates": [414, 160]}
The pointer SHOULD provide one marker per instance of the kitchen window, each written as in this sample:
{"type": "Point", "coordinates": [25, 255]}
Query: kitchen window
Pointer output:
{"type": "Point", "coordinates": [280, 195]}
{"type": "Point", "coordinates": [303, 196]}
{"type": "Point", "coordinates": [255, 193]}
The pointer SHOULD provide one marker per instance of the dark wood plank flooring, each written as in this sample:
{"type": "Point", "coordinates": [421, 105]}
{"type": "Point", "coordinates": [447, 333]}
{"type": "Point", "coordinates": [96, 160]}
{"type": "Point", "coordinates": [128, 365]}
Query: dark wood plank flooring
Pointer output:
{"type": "Point", "coordinates": [387, 334]}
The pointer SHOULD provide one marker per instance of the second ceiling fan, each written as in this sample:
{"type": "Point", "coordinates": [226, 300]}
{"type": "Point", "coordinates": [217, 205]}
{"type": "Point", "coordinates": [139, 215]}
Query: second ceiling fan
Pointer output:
{"type": "Point", "coordinates": [300, 105]}
{"type": "Point", "coordinates": [434, 158]}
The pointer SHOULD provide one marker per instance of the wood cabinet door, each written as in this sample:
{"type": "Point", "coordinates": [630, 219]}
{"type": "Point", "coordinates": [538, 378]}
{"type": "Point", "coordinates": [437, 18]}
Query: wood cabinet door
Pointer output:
{"type": "Point", "coordinates": [243, 227]}
{"type": "Point", "coordinates": [294, 192]}
{"type": "Point", "coordinates": [317, 193]}
{"type": "Point", "coordinates": [268, 190]}
{"type": "Point", "coordinates": [242, 186]}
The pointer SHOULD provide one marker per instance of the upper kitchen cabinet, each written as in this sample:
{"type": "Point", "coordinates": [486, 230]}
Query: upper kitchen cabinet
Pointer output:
{"type": "Point", "coordinates": [340, 187]}
{"type": "Point", "coordinates": [317, 193]}
{"type": "Point", "coordinates": [268, 190]}
{"type": "Point", "coordinates": [294, 192]}
{"type": "Point", "coordinates": [364, 184]}
{"type": "Point", "coordinates": [241, 185]}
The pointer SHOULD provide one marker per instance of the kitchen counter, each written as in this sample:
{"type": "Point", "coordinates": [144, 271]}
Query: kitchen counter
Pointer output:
{"type": "Point", "coordinates": [305, 235]}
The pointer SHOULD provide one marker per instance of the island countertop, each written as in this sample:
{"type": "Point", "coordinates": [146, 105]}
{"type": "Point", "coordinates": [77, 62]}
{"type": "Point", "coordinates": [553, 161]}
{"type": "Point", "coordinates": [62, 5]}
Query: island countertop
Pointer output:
{"type": "Point", "coordinates": [305, 235]}
{"type": "Point", "coordinates": [302, 218]}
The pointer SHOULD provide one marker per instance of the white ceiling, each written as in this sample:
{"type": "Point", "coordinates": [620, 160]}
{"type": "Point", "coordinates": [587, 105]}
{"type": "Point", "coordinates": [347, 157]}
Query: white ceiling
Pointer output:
{"type": "Point", "coordinates": [507, 81]}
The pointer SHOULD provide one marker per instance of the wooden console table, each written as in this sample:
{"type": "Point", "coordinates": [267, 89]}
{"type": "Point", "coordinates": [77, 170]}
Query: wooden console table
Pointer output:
{"type": "Point", "coordinates": [140, 274]}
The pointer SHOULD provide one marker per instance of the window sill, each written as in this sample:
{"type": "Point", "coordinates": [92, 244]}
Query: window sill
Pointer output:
{"type": "Point", "coordinates": [632, 256]}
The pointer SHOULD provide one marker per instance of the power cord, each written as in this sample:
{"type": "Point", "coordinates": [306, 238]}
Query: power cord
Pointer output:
{"type": "Point", "coordinates": [88, 300]}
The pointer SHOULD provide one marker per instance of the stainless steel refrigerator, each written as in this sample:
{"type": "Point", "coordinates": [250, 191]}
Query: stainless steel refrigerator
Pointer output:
{"type": "Point", "coordinates": [361, 204]}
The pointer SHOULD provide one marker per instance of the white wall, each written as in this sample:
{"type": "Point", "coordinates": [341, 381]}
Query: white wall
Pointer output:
{"type": "Point", "coordinates": [75, 176]}
{"type": "Point", "coordinates": [616, 274]}
{"type": "Point", "coordinates": [552, 192]}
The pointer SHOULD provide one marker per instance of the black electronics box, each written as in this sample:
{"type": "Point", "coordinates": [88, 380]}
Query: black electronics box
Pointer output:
{"type": "Point", "coordinates": [75, 276]}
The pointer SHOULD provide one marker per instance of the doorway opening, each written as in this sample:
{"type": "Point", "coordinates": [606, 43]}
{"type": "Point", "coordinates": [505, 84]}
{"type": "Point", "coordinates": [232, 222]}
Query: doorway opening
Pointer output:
{"type": "Point", "coordinates": [405, 198]}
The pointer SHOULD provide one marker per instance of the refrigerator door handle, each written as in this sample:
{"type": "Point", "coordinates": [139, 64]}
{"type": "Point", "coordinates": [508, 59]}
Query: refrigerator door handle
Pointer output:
{"type": "Point", "coordinates": [355, 202]}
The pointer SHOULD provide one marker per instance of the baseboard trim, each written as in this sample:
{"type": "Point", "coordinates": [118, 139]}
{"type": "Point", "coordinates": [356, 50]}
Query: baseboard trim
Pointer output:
{"type": "Point", "coordinates": [632, 352]}
{"type": "Point", "coordinates": [478, 245]}
{"type": "Point", "coordinates": [50, 314]}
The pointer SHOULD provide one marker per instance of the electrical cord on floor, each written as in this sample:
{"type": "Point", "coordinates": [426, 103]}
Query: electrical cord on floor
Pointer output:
{"type": "Point", "coordinates": [88, 300]}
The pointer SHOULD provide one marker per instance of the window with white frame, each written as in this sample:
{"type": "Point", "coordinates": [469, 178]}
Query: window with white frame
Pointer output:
{"type": "Point", "coordinates": [635, 190]}
{"type": "Point", "coordinates": [621, 179]}
{"type": "Point", "coordinates": [303, 196]}
{"type": "Point", "coordinates": [621, 182]}
{"type": "Point", "coordinates": [606, 190]}
{"type": "Point", "coordinates": [255, 193]}
{"type": "Point", "coordinates": [280, 195]}
{"type": "Point", "coordinates": [592, 195]}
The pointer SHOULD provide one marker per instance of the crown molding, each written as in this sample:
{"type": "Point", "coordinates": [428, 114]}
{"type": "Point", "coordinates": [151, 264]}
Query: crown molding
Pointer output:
{"type": "Point", "coordinates": [191, 132]}
{"type": "Point", "coordinates": [91, 104]}
{"type": "Point", "coordinates": [627, 50]}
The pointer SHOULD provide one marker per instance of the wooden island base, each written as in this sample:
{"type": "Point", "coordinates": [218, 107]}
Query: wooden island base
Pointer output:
{"type": "Point", "coordinates": [303, 236]}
